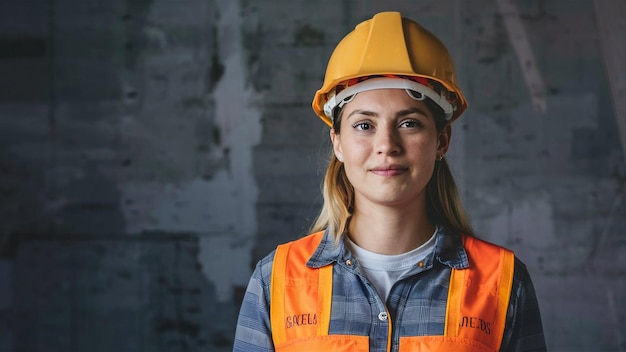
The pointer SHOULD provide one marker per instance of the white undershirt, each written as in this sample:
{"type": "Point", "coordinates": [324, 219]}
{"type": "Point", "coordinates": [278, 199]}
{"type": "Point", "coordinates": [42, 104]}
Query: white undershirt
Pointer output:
{"type": "Point", "coordinates": [385, 270]}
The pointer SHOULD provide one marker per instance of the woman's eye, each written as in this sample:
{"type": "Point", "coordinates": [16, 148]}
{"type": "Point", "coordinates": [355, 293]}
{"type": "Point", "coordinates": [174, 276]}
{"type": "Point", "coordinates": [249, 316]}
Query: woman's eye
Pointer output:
{"type": "Point", "coordinates": [410, 124]}
{"type": "Point", "coordinates": [363, 126]}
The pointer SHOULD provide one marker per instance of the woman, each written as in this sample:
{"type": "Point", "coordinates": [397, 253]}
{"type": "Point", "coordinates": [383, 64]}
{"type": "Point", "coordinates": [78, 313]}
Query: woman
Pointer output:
{"type": "Point", "coordinates": [392, 264]}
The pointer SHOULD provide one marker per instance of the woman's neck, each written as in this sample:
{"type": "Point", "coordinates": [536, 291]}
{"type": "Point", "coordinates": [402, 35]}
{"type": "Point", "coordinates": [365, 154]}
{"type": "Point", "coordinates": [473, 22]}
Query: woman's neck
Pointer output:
{"type": "Point", "coordinates": [390, 230]}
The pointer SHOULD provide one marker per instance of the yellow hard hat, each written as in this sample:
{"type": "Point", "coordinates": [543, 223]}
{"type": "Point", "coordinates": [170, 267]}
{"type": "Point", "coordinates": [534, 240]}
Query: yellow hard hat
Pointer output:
{"type": "Point", "coordinates": [399, 53]}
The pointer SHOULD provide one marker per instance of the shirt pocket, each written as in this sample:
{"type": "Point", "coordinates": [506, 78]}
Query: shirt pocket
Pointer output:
{"type": "Point", "coordinates": [441, 343]}
{"type": "Point", "coordinates": [327, 343]}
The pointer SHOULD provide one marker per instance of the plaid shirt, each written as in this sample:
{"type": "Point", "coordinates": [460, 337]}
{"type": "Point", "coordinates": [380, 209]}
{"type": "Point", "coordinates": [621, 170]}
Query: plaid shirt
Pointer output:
{"type": "Point", "coordinates": [416, 305]}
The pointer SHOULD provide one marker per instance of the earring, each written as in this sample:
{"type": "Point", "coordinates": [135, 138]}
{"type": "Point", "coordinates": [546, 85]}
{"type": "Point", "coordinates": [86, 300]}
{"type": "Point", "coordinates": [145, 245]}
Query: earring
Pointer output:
{"type": "Point", "coordinates": [440, 157]}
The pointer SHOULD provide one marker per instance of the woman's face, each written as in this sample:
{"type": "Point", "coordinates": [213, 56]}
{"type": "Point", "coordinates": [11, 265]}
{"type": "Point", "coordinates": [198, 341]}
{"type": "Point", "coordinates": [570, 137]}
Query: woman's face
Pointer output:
{"type": "Point", "coordinates": [389, 145]}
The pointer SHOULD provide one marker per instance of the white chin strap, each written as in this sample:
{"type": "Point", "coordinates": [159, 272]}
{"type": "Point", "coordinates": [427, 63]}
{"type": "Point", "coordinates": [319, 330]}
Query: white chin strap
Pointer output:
{"type": "Point", "coordinates": [415, 90]}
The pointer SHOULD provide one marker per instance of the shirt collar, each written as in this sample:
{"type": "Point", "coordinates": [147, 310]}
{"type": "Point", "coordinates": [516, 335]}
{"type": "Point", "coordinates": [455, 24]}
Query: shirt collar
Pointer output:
{"type": "Point", "coordinates": [448, 250]}
{"type": "Point", "coordinates": [327, 252]}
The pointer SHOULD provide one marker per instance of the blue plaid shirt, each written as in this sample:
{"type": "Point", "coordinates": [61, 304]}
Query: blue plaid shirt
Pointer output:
{"type": "Point", "coordinates": [416, 304]}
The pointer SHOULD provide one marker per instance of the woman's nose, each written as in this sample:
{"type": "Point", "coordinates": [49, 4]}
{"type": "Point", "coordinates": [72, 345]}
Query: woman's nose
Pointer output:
{"type": "Point", "coordinates": [387, 141]}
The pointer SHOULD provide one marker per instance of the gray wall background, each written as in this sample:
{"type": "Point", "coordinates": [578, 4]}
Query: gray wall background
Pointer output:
{"type": "Point", "coordinates": [151, 151]}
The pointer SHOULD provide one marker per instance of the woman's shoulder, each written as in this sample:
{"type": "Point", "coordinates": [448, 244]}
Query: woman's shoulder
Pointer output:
{"type": "Point", "coordinates": [521, 275]}
{"type": "Point", "coordinates": [263, 270]}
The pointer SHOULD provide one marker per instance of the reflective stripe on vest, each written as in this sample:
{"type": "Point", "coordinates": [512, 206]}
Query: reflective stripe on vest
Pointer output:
{"type": "Point", "coordinates": [478, 299]}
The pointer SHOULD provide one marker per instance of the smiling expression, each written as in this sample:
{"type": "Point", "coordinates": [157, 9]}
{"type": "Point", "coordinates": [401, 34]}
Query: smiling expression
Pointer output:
{"type": "Point", "coordinates": [389, 144]}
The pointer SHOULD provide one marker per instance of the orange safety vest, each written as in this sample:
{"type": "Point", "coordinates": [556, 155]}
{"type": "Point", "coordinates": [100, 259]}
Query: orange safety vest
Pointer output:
{"type": "Point", "coordinates": [301, 299]}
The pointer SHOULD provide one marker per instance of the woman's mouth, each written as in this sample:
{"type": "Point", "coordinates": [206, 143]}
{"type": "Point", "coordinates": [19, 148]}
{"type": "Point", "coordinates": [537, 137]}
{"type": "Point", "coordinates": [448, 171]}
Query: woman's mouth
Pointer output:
{"type": "Point", "coordinates": [389, 170]}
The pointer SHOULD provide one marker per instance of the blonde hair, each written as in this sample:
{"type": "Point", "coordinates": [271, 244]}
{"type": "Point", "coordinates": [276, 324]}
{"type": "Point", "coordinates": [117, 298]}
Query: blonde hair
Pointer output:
{"type": "Point", "coordinates": [443, 204]}
{"type": "Point", "coordinates": [338, 196]}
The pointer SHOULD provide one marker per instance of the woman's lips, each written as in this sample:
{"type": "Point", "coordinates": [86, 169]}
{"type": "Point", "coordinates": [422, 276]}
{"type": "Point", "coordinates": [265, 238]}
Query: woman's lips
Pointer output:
{"type": "Point", "coordinates": [391, 170]}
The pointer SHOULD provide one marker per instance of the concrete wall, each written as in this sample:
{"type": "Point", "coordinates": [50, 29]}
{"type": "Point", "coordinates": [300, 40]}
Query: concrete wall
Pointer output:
{"type": "Point", "coordinates": [152, 151]}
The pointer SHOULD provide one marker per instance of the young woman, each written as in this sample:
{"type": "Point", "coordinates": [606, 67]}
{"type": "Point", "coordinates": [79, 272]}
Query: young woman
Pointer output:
{"type": "Point", "coordinates": [392, 264]}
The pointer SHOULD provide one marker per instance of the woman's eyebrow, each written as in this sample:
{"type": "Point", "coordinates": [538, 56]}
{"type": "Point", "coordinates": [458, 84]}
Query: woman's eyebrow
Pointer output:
{"type": "Point", "coordinates": [400, 113]}
{"type": "Point", "coordinates": [362, 112]}
{"type": "Point", "coordinates": [410, 111]}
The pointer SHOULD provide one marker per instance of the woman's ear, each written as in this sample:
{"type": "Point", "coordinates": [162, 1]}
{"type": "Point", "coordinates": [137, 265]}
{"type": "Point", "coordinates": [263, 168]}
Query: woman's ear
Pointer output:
{"type": "Point", "coordinates": [443, 142]}
{"type": "Point", "coordinates": [336, 140]}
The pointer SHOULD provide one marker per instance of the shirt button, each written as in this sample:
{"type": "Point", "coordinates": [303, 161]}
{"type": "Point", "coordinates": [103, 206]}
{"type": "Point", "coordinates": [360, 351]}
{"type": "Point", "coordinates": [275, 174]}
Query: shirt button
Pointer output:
{"type": "Point", "coordinates": [382, 316]}
{"type": "Point", "coordinates": [349, 262]}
